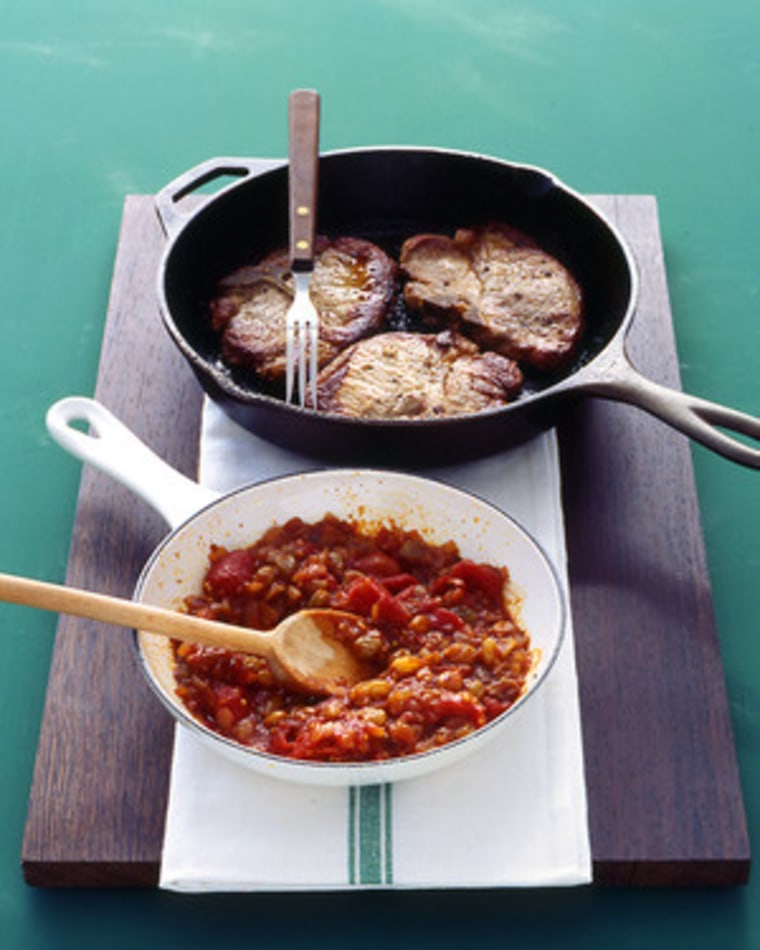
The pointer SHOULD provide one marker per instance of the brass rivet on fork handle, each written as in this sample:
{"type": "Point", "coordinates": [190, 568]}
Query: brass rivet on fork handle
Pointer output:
{"type": "Point", "coordinates": [302, 329]}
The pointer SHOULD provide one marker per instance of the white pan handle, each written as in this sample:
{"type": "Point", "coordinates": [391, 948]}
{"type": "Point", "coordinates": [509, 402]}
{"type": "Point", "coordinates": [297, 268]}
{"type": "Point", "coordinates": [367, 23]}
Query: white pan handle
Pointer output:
{"type": "Point", "coordinates": [113, 449]}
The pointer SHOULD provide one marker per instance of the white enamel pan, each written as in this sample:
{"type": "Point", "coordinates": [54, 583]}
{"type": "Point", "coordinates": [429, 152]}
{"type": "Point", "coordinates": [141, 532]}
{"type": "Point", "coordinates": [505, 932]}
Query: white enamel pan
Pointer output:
{"type": "Point", "coordinates": [197, 517]}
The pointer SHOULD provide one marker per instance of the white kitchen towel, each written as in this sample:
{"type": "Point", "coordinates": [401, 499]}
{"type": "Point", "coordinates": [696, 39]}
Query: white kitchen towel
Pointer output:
{"type": "Point", "coordinates": [512, 814]}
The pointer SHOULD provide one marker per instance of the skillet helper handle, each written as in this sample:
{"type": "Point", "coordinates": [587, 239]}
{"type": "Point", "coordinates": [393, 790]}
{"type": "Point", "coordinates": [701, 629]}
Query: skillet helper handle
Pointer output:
{"type": "Point", "coordinates": [172, 209]}
{"type": "Point", "coordinates": [700, 419]}
{"type": "Point", "coordinates": [303, 176]}
{"type": "Point", "coordinates": [113, 449]}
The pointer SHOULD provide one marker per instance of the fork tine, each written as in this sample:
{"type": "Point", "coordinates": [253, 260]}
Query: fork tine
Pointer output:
{"type": "Point", "coordinates": [303, 345]}
{"type": "Point", "coordinates": [290, 356]}
{"type": "Point", "coordinates": [313, 333]}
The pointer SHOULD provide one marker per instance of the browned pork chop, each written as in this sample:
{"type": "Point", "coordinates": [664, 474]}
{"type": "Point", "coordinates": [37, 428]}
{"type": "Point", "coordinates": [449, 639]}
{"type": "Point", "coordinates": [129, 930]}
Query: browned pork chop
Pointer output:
{"type": "Point", "coordinates": [496, 285]}
{"type": "Point", "coordinates": [352, 287]}
{"type": "Point", "coordinates": [401, 375]}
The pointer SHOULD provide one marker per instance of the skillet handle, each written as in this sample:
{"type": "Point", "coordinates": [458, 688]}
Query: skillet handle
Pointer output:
{"type": "Point", "coordinates": [697, 418]}
{"type": "Point", "coordinates": [173, 214]}
{"type": "Point", "coordinates": [114, 450]}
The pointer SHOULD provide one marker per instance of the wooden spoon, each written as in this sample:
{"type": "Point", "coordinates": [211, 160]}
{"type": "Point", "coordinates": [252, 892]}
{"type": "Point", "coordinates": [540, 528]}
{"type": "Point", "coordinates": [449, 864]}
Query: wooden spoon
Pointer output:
{"type": "Point", "coordinates": [303, 650]}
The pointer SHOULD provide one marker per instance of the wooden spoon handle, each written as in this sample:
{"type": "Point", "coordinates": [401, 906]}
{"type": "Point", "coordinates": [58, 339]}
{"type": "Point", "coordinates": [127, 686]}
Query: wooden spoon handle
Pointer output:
{"type": "Point", "coordinates": [128, 613]}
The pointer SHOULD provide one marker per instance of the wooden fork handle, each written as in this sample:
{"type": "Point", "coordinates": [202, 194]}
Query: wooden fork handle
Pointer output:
{"type": "Point", "coordinates": [303, 175]}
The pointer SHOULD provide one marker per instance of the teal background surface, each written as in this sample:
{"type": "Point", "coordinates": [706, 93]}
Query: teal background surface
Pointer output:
{"type": "Point", "coordinates": [100, 98]}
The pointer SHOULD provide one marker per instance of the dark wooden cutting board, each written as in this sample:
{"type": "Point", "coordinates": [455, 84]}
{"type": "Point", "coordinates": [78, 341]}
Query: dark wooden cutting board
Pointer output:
{"type": "Point", "coordinates": [665, 802]}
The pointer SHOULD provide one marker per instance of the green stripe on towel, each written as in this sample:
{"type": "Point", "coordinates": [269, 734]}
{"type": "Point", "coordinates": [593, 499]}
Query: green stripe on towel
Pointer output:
{"type": "Point", "coordinates": [370, 835]}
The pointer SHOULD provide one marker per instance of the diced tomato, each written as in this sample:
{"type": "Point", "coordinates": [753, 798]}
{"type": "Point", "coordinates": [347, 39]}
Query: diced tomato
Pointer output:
{"type": "Point", "coordinates": [361, 594]}
{"type": "Point", "coordinates": [398, 582]}
{"type": "Point", "coordinates": [483, 577]}
{"type": "Point", "coordinates": [377, 564]}
{"type": "Point", "coordinates": [445, 620]}
{"type": "Point", "coordinates": [368, 598]}
{"type": "Point", "coordinates": [387, 609]}
{"type": "Point", "coordinates": [230, 572]}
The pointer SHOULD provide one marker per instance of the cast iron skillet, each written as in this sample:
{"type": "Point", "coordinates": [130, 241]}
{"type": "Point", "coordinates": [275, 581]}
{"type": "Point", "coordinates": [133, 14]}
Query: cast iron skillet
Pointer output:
{"type": "Point", "coordinates": [387, 194]}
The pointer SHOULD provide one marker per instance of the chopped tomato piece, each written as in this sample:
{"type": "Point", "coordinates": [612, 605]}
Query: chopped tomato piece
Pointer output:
{"type": "Point", "coordinates": [368, 598]}
{"type": "Point", "coordinates": [445, 620]}
{"type": "Point", "coordinates": [377, 564]}
{"type": "Point", "coordinates": [387, 609]}
{"type": "Point", "coordinates": [398, 582]}
{"type": "Point", "coordinates": [483, 577]}
{"type": "Point", "coordinates": [362, 593]}
{"type": "Point", "coordinates": [230, 573]}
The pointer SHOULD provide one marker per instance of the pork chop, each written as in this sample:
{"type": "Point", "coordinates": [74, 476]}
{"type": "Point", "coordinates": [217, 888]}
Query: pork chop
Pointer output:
{"type": "Point", "coordinates": [499, 287]}
{"type": "Point", "coordinates": [399, 375]}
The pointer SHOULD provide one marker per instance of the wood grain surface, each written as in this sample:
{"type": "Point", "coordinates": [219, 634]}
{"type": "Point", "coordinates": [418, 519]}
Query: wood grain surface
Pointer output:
{"type": "Point", "coordinates": [665, 802]}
